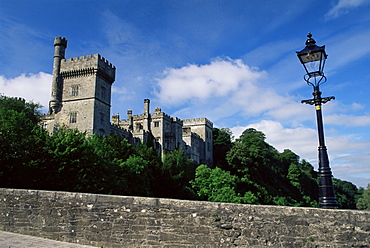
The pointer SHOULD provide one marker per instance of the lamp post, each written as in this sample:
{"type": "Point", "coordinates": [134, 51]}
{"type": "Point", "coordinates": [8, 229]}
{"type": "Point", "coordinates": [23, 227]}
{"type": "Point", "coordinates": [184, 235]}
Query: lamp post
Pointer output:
{"type": "Point", "coordinates": [313, 59]}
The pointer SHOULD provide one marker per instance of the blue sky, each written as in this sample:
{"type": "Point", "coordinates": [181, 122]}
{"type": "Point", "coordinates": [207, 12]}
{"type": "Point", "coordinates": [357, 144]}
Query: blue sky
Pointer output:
{"type": "Point", "coordinates": [233, 62]}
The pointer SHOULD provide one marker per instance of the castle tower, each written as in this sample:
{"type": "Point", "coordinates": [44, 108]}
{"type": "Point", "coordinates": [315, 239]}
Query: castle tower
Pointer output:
{"type": "Point", "coordinates": [146, 122]}
{"type": "Point", "coordinates": [55, 104]}
{"type": "Point", "coordinates": [130, 120]}
{"type": "Point", "coordinates": [81, 92]}
{"type": "Point", "coordinates": [203, 128]}
{"type": "Point", "coordinates": [87, 83]}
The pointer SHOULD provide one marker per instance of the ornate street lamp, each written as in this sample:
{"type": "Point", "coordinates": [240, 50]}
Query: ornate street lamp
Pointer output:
{"type": "Point", "coordinates": [313, 59]}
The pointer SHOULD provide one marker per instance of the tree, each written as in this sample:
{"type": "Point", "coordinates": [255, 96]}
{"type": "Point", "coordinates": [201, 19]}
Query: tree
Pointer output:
{"type": "Point", "coordinates": [222, 143]}
{"type": "Point", "coordinates": [345, 192]}
{"type": "Point", "coordinates": [363, 203]}
{"type": "Point", "coordinates": [219, 186]}
{"type": "Point", "coordinates": [18, 129]}
{"type": "Point", "coordinates": [175, 175]}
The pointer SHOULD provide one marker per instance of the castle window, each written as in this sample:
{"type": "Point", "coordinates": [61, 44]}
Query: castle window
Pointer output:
{"type": "Point", "coordinates": [139, 126]}
{"type": "Point", "coordinates": [156, 124]}
{"type": "Point", "coordinates": [73, 117]}
{"type": "Point", "coordinates": [74, 90]}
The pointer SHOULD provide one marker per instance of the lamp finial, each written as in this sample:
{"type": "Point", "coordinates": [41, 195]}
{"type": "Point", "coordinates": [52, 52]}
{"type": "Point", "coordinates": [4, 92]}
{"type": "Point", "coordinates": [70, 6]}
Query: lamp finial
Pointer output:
{"type": "Point", "coordinates": [310, 41]}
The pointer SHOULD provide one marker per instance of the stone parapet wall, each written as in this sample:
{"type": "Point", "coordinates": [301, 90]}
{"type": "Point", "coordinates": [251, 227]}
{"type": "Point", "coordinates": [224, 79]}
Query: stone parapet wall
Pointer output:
{"type": "Point", "coordinates": [125, 221]}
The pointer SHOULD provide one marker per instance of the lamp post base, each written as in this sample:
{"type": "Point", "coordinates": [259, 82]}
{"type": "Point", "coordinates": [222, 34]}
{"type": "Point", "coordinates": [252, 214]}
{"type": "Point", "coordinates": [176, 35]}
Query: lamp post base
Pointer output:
{"type": "Point", "coordinates": [328, 202]}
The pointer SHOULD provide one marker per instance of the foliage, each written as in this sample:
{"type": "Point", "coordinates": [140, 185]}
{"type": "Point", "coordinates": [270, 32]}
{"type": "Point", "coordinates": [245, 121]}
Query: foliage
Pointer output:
{"type": "Point", "coordinates": [219, 185]}
{"type": "Point", "coordinates": [72, 161]}
{"type": "Point", "coordinates": [257, 173]}
{"type": "Point", "coordinates": [363, 203]}
{"type": "Point", "coordinates": [18, 137]}
{"type": "Point", "coordinates": [222, 142]}
{"type": "Point", "coordinates": [176, 172]}
{"type": "Point", "coordinates": [345, 192]}
{"type": "Point", "coordinates": [248, 170]}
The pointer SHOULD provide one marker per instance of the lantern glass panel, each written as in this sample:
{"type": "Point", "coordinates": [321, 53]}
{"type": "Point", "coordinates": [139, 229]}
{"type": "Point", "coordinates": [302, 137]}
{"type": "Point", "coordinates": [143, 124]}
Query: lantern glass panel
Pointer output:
{"type": "Point", "coordinates": [313, 62]}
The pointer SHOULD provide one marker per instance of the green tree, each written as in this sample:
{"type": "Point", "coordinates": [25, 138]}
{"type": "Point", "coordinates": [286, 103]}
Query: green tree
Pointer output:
{"type": "Point", "coordinates": [363, 203]}
{"type": "Point", "coordinates": [222, 142]}
{"type": "Point", "coordinates": [219, 186]}
{"type": "Point", "coordinates": [345, 192]}
{"type": "Point", "coordinates": [73, 164]}
{"type": "Point", "coordinates": [287, 158]}
{"type": "Point", "coordinates": [176, 173]}
{"type": "Point", "coordinates": [254, 162]}
{"type": "Point", "coordinates": [18, 137]}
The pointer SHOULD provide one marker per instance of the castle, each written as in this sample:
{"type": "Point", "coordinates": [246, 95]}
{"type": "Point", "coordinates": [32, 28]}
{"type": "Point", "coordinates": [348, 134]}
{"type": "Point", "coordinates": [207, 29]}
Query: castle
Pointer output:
{"type": "Point", "coordinates": [81, 98]}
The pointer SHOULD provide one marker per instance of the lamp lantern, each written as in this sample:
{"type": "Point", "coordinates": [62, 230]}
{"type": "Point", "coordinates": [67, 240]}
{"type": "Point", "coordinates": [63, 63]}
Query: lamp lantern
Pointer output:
{"type": "Point", "coordinates": [313, 59]}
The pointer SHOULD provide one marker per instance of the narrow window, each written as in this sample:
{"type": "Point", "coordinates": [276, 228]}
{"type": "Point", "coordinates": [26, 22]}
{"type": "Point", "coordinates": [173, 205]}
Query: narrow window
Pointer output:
{"type": "Point", "coordinates": [75, 89]}
{"type": "Point", "coordinates": [73, 117]}
{"type": "Point", "coordinates": [156, 124]}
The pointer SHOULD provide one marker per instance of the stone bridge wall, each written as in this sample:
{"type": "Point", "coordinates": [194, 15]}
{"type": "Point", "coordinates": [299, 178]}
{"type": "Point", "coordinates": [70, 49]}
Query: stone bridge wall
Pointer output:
{"type": "Point", "coordinates": [125, 221]}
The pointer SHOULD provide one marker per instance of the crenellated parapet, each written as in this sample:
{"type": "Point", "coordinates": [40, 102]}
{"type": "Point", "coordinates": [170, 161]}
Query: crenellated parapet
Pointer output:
{"type": "Point", "coordinates": [60, 41]}
{"type": "Point", "coordinates": [198, 121]}
{"type": "Point", "coordinates": [88, 65]}
{"type": "Point", "coordinates": [123, 132]}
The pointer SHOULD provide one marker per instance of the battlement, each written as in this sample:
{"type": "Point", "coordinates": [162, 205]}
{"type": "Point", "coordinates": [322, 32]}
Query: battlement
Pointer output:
{"type": "Point", "coordinates": [91, 60]}
{"type": "Point", "coordinates": [60, 41]}
{"type": "Point", "coordinates": [84, 65]}
{"type": "Point", "coordinates": [198, 121]}
{"type": "Point", "coordinates": [160, 114]}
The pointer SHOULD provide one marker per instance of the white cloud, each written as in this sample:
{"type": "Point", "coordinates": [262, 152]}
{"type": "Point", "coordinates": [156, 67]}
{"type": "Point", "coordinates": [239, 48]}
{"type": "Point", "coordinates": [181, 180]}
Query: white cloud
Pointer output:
{"type": "Point", "coordinates": [343, 6]}
{"type": "Point", "coordinates": [219, 78]}
{"type": "Point", "coordinates": [32, 87]}
{"type": "Point", "coordinates": [348, 120]}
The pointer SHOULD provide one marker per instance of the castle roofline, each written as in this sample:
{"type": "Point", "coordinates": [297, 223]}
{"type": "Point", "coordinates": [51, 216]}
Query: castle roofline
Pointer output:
{"type": "Point", "coordinates": [198, 121]}
{"type": "Point", "coordinates": [93, 57]}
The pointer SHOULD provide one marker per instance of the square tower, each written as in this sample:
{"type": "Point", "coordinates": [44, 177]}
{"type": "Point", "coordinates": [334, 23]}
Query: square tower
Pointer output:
{"type": "Point", "coordinates": [85, 84]}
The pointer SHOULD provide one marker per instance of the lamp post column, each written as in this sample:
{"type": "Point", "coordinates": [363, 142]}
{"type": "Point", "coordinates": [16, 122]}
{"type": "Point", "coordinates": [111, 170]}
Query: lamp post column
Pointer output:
{"type": "Point", "coordinates": [313, 59]}
{"type": "Point", "coordinates": [326, 189]}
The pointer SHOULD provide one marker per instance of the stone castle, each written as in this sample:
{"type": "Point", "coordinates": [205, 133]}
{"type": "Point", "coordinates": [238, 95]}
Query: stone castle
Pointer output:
{"type": "Point", "coordinates": [81, 99]}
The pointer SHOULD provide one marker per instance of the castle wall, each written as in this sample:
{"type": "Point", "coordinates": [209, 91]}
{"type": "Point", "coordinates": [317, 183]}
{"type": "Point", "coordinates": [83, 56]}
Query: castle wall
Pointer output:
{"type": "Point", "coordinates": [126, 221]}
{"type": "Point", "coordinates": [203, 128]}
{"type": "Point", "coordinates": [193, 145]}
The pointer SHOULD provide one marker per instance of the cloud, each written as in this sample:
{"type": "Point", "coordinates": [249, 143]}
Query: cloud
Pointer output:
{"type": "Point", "coordinates": [32, 87]}
{"type": "Point", "coordinates": [348, 120]}
{"type": "Point", "coordinates": [219, 78]}
{"type": "Point", "coordinates": [344, 6]}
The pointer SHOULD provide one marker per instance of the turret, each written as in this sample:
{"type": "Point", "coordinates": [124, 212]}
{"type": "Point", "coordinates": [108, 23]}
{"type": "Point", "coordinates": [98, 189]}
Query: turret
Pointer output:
{"type": "Point", "coordinates": [130, 120]}
{"type": "Point", "coordinates": [55, 104]}
{"type": "Point", "coordinates": [146, 121]}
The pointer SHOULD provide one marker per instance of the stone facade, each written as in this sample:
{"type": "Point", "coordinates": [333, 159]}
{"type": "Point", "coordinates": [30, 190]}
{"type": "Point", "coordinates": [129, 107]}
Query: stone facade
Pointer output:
{"type": "Point", "coordinates": [81, 97]}
{"type": "Point", "coordinates": [193, 136]}
{"type": "Point", "coordinates": [126, 221]}
{"type": "Point", "coordinates": [81, 92]}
